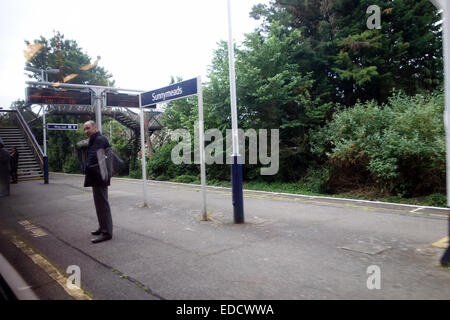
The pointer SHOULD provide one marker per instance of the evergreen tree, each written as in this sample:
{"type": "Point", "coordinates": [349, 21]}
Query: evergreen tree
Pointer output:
{"type": "Point", "coordinates": [351, 62]}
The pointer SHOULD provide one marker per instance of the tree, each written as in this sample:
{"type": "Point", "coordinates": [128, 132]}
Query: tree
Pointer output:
{"type": "Point", "coordinates": [272, 92]}
{"type": "Point", "coordinates": [69, 58]}
{"type": "Point", "coordinates": [350, 62]}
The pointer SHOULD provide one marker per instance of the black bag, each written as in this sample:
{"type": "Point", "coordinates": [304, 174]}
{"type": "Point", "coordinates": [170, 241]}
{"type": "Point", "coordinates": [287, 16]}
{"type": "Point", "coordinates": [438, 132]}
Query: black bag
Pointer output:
{"type": "Point", "coordinates": [109, 163]}
{"type": "Point", "coordinates": [113, 162]}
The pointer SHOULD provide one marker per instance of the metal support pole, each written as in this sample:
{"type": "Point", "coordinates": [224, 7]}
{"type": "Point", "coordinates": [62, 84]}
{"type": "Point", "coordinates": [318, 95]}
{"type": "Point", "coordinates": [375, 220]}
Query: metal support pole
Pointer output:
{"type": "Point", "coordinates": [445, 7]}
{"type": "Point", "coordinates": [45, 136]}
{"type": "Point", "coordinates": [44, 127]}
{"type": "Point", "coordinates": [202, 146]}
{"type": "Point", "coordinates": [98, 113]}
{"type": "Point", "coordinates": [445, 260]}
{"type": "Point", "coordinates": [98, 102]}
{"type": "Point", "coordinates": [45, 169]}
{"type": "Point", "coordinates": [143, 153]}
{"type": "Point", "coordinates": [236, 159]}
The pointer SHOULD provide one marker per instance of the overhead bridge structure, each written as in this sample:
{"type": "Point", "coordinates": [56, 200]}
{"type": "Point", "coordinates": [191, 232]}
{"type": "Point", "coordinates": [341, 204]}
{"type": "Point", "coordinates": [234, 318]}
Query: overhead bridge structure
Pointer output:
{"type": "Point", "coordinates": [123, 115]}
{"type": "Point", "coordinates": [80, 99]}
{"type": "Point", "coordinates": [15, 124]}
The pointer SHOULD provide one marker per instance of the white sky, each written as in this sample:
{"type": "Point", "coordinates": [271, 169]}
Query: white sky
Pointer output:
{"type": "Point", "coordinates": [142, 42]}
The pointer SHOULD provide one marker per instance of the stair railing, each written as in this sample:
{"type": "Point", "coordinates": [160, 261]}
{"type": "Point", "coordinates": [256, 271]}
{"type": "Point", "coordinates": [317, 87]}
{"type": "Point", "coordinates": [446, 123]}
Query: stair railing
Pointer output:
{"type": "Point", "coordinates": [31, 140]}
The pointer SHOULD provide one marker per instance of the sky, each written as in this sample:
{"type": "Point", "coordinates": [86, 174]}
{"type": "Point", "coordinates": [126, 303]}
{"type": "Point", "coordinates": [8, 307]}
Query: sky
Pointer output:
{"type": "Point", "coordinates": [142, 43]}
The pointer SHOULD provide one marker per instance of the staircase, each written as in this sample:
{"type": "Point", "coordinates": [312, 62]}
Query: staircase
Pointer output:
{"type": "Point", "coordinates": [29, 167]}
{"type": "Point", "coordinates": [125, 118]}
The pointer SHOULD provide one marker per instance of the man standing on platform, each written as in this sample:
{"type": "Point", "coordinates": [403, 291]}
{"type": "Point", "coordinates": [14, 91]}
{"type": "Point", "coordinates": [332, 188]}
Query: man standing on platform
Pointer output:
{"type": "Point", "coordinates": [4, 170]}
{"type": "Point", "coordinates": [14, 163]}
{"type": "Point", "coordinates": [99, 186]}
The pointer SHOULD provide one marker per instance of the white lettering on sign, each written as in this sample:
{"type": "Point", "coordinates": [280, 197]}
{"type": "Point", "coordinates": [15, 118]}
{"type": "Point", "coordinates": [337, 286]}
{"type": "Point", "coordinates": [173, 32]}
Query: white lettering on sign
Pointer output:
{"type": "Point", "coordinates": [54, 126]}
{"type": "Point", "coordinates": [167, 94]}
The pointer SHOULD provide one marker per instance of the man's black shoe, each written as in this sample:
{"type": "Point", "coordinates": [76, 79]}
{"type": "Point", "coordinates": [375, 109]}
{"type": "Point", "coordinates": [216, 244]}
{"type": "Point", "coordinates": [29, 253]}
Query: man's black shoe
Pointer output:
{"type": "Point", "coordinates": [102, 238]}
{"type": "Point", "coordinates": [96, 232]}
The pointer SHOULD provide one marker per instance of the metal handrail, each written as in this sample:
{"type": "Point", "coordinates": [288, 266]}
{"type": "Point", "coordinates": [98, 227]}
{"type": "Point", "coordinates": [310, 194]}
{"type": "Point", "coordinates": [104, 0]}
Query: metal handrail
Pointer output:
{"type": "Point", "coordinates": [31, 138]}
{"type": "Point", "coordinates": [43, 160]}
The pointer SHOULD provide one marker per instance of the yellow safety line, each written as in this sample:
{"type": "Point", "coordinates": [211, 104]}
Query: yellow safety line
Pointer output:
{"type": "Point", "coordinates": [29, 179]}
{"type": "Point", "coordinates": [48, 268]}
{"type": "Point", "coordinates": [443, 243]}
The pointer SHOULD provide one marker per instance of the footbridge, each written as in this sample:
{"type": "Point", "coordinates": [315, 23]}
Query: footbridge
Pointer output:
{"type": "Point", "coordinates": [16, 131]}
{"type": "Point", "coordinates": [123, 115]}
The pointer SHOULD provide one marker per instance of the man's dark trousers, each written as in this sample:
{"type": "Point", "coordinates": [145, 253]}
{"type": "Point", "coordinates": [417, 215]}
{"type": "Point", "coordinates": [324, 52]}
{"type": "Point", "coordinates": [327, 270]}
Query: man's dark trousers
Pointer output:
{"type": "Point", "coordinates": [102, 209]}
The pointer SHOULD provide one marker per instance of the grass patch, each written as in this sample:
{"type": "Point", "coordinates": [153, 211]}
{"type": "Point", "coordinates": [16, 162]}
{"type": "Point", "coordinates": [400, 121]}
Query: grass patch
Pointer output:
{"type": "Point", "coordinates": [432, 200]}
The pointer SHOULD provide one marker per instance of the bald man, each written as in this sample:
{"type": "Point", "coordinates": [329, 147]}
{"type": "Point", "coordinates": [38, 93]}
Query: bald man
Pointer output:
{"type": "Point", "coordinates": [99, 187]}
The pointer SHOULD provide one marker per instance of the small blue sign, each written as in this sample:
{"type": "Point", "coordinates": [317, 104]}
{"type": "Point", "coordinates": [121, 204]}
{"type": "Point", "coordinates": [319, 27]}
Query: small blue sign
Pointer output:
{"type": "Point", "coordinates": [175, 91]}
{"type": "Point", "coordinates": [62, 126]}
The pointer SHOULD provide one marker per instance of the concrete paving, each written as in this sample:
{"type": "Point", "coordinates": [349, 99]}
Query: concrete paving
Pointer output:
{"type": "Point", "coordinates": [291, 247]}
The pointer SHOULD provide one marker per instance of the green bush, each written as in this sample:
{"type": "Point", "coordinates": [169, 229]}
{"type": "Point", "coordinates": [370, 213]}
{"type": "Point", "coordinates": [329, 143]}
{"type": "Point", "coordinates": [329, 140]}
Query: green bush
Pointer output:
{"type": "Point", "coordinates": [135, 174]}
{"type": "Point", "coordinates": [163, 177]}
{"type": "Point", "coordinates": [317, 180]}
{"type": "Point", "coordinates": [162, 167]}
{"type": "Point", "coordinates": [399, 146]}
{"type": "Point", "coordinates": [185, 178]}
{"type": "Point", "coordinates": [436, 200]}
{"type": "Point", "coordinates": [71, 165]}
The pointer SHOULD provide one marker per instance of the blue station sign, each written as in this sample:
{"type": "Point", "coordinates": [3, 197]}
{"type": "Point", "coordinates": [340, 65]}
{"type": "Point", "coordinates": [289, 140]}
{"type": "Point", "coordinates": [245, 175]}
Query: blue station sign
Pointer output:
{"type": "Point", "coordinates": [62, 126]}
{"type": "Point", "coordinates": [175, 91]}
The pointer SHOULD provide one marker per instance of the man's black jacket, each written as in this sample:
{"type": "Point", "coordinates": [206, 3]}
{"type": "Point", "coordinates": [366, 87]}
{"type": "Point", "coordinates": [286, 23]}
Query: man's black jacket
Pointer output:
{"type": "Point", "coordinates": [93, 177]}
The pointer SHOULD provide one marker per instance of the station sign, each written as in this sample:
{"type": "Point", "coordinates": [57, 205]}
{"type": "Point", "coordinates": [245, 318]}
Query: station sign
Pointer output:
{"type": "Point", "coordinates": [175, 91]}
{"type": "Point", "coordinates": [62, 126]}
{"type": "Point", "coordinates": [122, 100]}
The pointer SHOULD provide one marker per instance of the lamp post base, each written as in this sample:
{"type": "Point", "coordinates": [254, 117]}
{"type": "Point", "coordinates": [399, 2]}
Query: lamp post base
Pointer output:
{"type": "Point", "coordinates": [236, 182]}
{"type": "Point", "coordinates": [445, 260]}
{"type": "Point", "coordinates": [45, 169]}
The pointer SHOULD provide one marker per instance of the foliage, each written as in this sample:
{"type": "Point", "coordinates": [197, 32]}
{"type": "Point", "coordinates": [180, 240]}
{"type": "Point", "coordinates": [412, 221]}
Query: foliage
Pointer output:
{"type": "Point", "coordinates": [7, 119]}
{"type": "Point", "coordinates": [124, 143]}
{"type": "Point", "coordinates": [161, 167]}
{"type": "Point", "coordinates": [350, 62]}
{"type": "Point", "coordinates": [71, 165]}
{"type": "Point", "coordinates": [61, 149]}
{"type": "Point", "coordinates": [355, 107]}
{"type": "Point", "coordinates": [273, 93]}
{"type": "Point", "coordinates": [399, 145]}
{"type": "Point", "coordinates": [186, 178]}
{"type": "Point", "coordinates": [69, 58]}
